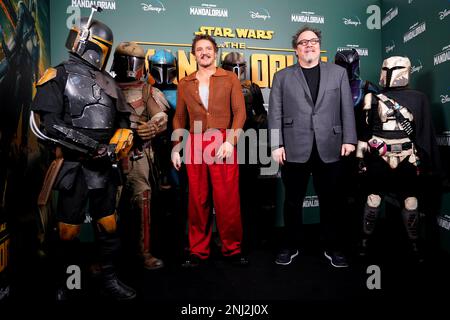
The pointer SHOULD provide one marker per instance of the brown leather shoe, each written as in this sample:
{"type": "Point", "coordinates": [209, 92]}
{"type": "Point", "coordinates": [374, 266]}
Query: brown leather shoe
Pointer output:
{"type": "Point", "coordinates": [152, 263]}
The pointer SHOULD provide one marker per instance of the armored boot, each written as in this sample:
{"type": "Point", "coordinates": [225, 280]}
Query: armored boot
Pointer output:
{"type": "Point", "coordinates": [149, 261]}
{"type": "Point", "coordinates": [369, 220]}
{"type": "Point", "coordinates": [411, 222]}
{"type": "Point", "coordinates": [110, 285]}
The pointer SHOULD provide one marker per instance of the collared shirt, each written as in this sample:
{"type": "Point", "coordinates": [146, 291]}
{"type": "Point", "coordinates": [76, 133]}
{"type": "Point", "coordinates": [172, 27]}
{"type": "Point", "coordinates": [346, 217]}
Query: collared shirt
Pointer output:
{"type": "Point", "coordinates": [226, 104]}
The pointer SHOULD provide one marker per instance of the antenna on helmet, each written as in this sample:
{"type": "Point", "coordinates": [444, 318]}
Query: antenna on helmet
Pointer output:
{"type": "Point", "coordinates": [93, 9]}
{"type": "Point", "coordinates": [85, 29]}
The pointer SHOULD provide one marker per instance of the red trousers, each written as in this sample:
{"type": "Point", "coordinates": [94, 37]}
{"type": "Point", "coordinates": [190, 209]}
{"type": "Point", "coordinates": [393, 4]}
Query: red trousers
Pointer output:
{"type": "Point", "coordinates": [223, 180]}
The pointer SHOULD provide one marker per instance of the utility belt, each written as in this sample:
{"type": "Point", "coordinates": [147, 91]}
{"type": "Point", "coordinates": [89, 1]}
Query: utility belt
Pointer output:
{"type": "Point", "coordinates": [380, 147]}
{"type": "Point", "coordinates": [399, 147]}
{"type": "Point", "coordinates": [393, 152]}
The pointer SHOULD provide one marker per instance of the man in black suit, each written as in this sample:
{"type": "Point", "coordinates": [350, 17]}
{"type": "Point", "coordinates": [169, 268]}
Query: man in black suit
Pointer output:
{"type": "Point", "coordinates": [312, 107]}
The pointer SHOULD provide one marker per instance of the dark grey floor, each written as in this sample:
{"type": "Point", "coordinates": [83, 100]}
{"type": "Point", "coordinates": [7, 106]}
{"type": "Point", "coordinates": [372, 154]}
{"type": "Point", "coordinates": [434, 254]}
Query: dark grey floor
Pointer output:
{"type": "Point", "coordinates": [309, 281]}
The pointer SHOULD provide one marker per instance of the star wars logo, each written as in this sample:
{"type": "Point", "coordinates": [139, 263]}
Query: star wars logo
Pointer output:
{"type": "Point", "coordinates": [236, 33]}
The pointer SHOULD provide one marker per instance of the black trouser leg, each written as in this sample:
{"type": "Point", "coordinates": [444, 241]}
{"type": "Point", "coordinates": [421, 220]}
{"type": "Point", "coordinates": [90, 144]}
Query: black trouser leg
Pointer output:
{"type": "Point", "coordinates": [295, 178]}
{"type": "Point", "coordinates": [326, 178]}
{"type": "Point", "coordinates": [250, 205]}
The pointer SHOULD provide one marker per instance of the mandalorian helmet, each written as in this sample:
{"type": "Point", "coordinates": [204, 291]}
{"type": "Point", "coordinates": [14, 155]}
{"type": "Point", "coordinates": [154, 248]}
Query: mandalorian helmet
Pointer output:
{"type": "Point", "coordinates": [92, 41]}
{"type": "Point", "coordinates": [128, 63]}
{"type": "Point", "coordinates": [395, 72]}
{"type": "Point", "coordinates": [163, 67]}
{"type": "Point", "coordinates": [235, 62]}
{"type": "Point", "coordinates": [349, 60]}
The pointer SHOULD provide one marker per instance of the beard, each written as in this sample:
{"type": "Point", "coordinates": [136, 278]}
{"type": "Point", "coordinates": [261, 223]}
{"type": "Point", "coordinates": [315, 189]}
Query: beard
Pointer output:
{"type": "Point", "coordinates": [310, 57]}
{"type": "Point", "coordinates": [205, 63]}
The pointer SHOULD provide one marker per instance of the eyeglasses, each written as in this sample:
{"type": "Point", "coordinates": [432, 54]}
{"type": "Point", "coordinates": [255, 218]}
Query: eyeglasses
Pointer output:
{"type": "Point", "coordinates": [313, 41]}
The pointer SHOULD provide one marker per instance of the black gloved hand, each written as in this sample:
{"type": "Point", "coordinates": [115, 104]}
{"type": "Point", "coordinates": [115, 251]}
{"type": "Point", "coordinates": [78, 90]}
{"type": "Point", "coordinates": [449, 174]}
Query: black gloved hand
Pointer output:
{"type": "Point", "coordinates": [101, 152]}
{"type": "Point", "coordinates": [362, 167]}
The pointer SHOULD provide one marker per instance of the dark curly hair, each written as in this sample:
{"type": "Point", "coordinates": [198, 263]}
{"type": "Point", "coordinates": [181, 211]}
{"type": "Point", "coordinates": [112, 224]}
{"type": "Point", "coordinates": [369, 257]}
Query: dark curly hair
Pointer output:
{"type": "Point", "coordinates": [203, 37]}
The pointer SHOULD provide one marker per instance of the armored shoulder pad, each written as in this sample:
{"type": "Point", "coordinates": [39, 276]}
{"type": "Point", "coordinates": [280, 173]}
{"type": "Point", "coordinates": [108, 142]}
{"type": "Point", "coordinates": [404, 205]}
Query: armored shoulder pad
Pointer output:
{"type": "Point", "coordinates": [49, 74]}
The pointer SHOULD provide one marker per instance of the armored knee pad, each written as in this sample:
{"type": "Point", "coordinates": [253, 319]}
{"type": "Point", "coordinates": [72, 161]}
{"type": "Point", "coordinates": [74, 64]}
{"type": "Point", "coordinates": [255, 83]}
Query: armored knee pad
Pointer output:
{"type": "Point", "coordinates": [67, 231]}
{"type": "Point", "coordinates": [108, 224]}
{"type": "Point", "coordinates": [371, 211]}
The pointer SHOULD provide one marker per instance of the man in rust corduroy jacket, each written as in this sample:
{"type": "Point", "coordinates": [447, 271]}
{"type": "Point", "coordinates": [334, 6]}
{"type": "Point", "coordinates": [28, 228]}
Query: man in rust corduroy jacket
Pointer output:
{"type": "Point", "coordinates": [212, 100]}
{"type": "Point", "coordinates": [226, 103]}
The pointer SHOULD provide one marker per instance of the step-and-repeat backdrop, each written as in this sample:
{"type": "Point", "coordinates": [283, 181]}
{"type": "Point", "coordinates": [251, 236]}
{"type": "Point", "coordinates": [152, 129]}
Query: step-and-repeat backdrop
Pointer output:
{"type": "Point", "coordinates": [260, 30]}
